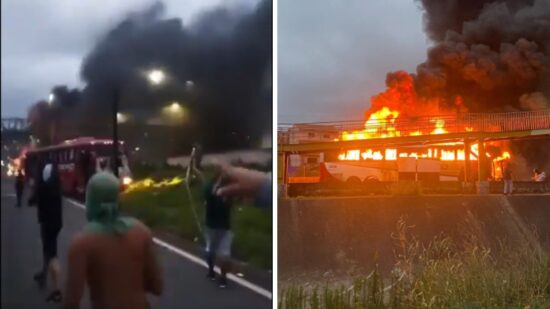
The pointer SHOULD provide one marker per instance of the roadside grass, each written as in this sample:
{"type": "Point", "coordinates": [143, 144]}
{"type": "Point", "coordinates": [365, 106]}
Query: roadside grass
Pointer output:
{"type": "Point", "coordinates": [169, 208]}
{"type": "Point", "coordinates": [442, 274]}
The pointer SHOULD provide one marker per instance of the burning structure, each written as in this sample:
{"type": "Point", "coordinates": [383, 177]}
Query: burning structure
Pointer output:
{"type": "Point", "coordinates": [490, 60]}
{"type": "Point", "coordinates": [488, 56]}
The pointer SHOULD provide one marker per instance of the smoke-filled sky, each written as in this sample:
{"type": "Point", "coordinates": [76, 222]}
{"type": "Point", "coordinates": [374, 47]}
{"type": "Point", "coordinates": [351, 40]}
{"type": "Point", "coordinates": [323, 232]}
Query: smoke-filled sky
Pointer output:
{"type": "Point", "coordinates": [334, 55]}
{"type": "Point", "coordinates": [44, 42]}
{"type": "Point", "coordinates": [482, 56]}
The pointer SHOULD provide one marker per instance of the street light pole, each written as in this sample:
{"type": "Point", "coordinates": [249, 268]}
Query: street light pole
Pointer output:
{"type": "Point", "coordinates": [114, 115]}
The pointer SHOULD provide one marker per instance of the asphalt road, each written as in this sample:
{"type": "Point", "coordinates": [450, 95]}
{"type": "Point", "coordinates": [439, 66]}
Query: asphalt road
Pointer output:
{"type": "Point", "coordinates": [184, 279]}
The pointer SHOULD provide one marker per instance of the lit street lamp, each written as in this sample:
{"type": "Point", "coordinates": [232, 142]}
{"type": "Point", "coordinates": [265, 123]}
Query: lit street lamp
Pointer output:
{"type": "Point", "coordinates": [51, 98]}
{"type": "Point", "coordinates": [175, 107]}
{"type": "Point", "coordinates": [156, 76]}
{"type": "Point", "coordinates": [121, 118]}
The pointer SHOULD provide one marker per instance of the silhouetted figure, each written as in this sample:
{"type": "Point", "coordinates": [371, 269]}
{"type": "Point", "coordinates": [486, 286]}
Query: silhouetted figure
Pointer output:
{"type": "Point", "coordinates": [102, 165]}
{"type": "Point", "coordinates": [47, 197]}
{"type": "Point", "coordinates": [508, 183]}
{"type": "Point", "coordinates": [113, 255]}
{"type": "Point", "coordinates": [19, 187]}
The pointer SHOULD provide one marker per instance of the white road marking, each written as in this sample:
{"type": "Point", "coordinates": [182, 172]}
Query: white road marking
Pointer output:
{"type": "Point", "coordinates": [249, 285]}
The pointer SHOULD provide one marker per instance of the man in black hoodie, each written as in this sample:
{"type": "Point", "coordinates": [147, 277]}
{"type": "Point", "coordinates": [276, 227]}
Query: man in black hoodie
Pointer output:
{"type": "Point", "coordinates": [47, 197]}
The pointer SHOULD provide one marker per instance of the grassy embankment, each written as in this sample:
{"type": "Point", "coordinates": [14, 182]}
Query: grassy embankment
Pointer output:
{"type": "Point", "coordinates": [443, 274]}
{"type": "Point", "coordinates": [168, 208]}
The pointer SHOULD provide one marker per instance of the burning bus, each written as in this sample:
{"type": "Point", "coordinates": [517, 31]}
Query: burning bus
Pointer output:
{"type": "Point", "coordinates": [432, 161]}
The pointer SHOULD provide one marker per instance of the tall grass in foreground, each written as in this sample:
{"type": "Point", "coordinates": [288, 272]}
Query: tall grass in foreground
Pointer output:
{"type": "Point", "coordinates": [439, 275]}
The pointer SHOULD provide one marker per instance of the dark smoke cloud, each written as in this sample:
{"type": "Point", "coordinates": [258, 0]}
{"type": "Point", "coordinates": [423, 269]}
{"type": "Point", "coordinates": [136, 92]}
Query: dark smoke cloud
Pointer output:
{"type": "Point", "coordinates": [491, 53]}
{"type": "Point", "coordinates": [65, 97]}
{"type": "Point", "coordinates": [495, 55]}
{"type": "Point", "coordinates": [487, 56]}
{"type": "Point", "coordinates": [226, 52]}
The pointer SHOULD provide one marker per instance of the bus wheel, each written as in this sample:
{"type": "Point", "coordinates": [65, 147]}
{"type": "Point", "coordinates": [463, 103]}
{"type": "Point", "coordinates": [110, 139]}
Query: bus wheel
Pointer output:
{"type": "Point", "coordinates": [353, 179]}
{"type": "Point", "coordinates": [370, 180]}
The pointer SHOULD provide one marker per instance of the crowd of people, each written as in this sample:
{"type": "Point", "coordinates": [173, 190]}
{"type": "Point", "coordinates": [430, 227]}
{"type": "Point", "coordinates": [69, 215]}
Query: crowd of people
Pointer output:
{"type": "Point", "coordinates": [114, 255]}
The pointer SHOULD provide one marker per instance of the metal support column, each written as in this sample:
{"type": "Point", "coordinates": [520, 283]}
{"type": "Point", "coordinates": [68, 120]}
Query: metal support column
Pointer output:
{"type": "Point", "coordinates": [467, 150]}
{"type": "Point", "coordinates": [483, 184]}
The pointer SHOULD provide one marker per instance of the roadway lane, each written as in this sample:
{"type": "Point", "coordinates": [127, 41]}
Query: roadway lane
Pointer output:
{"type": "Point", "coordinates": [185, 283]}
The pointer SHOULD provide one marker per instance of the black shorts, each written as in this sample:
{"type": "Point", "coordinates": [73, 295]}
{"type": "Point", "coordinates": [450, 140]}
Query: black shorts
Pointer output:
{"type": "Point", "coordinates": [49, 240]}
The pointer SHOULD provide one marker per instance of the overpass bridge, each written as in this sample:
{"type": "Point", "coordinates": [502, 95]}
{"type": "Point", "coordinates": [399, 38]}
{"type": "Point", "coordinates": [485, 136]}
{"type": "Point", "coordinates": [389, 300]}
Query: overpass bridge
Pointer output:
{"type": "Point", "coordinates": [15, 134]}
{"type": "Point", "coordinates": [14, 124]}
{"type": "Point", "coordinates": [464, 129]}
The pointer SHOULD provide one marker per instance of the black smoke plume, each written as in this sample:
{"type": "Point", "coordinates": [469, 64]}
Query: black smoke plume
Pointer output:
{"type": "Point", "coordinates": [487, 56]}
{"type": "Point", "coordinates": [218, 68]}
{"type": "Point", "coordinates": [494, 54]}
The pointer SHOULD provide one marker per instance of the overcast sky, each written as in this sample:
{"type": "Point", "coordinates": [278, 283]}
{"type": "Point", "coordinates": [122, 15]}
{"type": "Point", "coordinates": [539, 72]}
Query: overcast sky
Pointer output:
{"type": "Point", "coordinates": [44, 41]}
{"type": "Point", "coordinates": [333, 55]}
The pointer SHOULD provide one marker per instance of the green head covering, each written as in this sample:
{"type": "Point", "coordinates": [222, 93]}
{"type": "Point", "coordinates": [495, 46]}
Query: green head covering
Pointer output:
{"type": "Point", "coordinates": [102, 206]}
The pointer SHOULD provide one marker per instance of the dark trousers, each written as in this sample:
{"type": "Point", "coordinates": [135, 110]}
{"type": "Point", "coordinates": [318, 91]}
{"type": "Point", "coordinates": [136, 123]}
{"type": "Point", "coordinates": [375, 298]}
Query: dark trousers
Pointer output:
{"type": "Point", "coordinates": [48, 235]}
{"type": "Point", "coordinates": [19, 195]}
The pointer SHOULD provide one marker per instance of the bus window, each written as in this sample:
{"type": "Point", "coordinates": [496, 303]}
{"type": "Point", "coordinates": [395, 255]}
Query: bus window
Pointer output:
{"type": "Point", "coordinates": [71, 155]}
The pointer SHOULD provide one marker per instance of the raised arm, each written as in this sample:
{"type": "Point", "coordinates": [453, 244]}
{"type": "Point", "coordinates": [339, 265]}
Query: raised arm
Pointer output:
{"type": "Point", "coordinates": [76, 276]}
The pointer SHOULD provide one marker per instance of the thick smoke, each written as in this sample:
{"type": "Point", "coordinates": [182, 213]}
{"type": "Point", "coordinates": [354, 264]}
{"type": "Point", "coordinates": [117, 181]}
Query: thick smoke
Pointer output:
{"type": "Point", "coordinates": [225, 53]}
{"type": "Point", "coordinates": [218, 68]}
{"type": "Point", "coordinates": [490, 53]}
{"type": "Point", "coordinates": [495, 55]}
{"type": "Point", "coordinates": [487, 56]}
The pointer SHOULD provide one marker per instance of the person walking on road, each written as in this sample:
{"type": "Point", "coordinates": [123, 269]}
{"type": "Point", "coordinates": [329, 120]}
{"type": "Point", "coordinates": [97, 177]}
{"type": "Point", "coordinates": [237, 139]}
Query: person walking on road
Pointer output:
{"type": "Point", "coordinates": [508, 183]}
{"type": "Point", "coordinates": [114, 255]}
{"type": "Point", "coordinates": [218, 233]}
{"type": "Point", "coordinates": [19, 186]}
{"type": "Point", "coordinates": [47, 197]}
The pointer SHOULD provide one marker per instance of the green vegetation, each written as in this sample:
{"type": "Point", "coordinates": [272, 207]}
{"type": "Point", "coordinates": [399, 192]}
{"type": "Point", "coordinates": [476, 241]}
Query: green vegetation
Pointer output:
{"type": "Point", "coordinates": [168, 208]}
{"type": "Point", "coordinates": [440, 275]}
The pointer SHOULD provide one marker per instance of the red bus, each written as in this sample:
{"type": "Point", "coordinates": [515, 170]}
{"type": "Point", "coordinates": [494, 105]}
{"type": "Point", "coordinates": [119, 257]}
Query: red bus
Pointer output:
{"type": "Point", "coordinates": [77, 160]}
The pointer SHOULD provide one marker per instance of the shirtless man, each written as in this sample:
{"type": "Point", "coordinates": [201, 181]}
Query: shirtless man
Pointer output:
{"type": "Point", "coordinates": [113, 255]}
